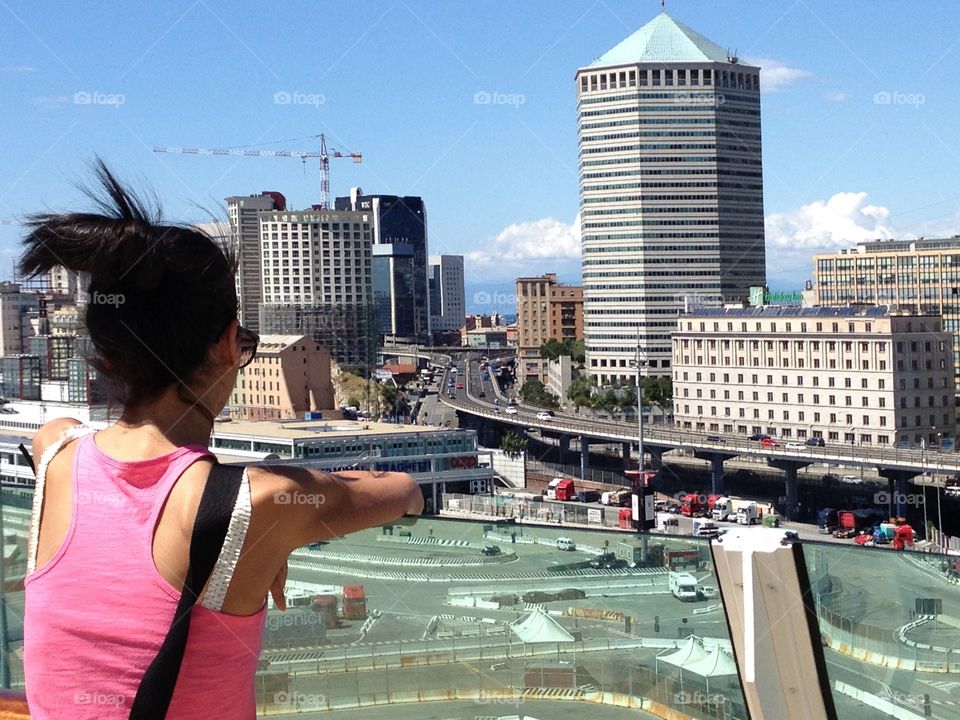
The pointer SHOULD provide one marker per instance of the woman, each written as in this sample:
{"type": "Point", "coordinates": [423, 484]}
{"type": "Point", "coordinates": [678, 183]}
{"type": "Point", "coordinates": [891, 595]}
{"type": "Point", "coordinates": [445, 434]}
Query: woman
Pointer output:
{"type": "Point", "coordinates": [114, 509]}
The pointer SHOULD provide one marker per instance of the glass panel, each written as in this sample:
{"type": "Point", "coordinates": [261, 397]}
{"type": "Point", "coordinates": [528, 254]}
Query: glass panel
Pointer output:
{"type": "Point", "coordinates": [890, 625]}
{"type": "Point", "coordinates": [461, 614]}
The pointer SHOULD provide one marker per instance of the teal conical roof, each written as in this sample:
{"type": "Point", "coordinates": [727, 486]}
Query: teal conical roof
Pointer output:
{"type": "Point", "coordinates": [663, 39]}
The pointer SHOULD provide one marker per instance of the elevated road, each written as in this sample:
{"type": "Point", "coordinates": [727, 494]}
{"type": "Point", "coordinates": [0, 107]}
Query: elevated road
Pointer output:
{"type": "Point", "coordinates": [897, 465]}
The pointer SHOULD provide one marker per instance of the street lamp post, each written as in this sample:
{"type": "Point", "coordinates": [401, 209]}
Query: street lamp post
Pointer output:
{"type": "Point", "coordinates": [641, 510]}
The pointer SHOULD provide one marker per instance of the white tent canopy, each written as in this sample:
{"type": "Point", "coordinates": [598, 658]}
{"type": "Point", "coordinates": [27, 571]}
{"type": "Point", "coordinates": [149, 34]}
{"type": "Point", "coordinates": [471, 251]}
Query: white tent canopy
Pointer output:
{"type": "Point", "coordinates": [716, 663]}
{"type": "Point", "coordinates": [538, 627]}
{"type": "Point", "coordinates": [689, 652]}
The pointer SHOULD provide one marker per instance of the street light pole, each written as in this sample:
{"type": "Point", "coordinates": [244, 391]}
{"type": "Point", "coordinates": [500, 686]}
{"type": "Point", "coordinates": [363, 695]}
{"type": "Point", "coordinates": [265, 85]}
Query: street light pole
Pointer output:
{"type": "Point", "coordinates": [641, 509]}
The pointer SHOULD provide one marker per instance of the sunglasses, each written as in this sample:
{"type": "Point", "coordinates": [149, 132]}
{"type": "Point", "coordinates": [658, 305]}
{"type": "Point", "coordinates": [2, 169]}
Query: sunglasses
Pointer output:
{"type": "Point", "coordinates": [248, 341]}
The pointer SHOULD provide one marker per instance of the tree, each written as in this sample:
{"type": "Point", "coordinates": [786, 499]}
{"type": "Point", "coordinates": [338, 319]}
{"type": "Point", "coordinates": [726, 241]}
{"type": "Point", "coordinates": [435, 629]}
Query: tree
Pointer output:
{"type": "Point", "coordinates": [552, 349]}
{"type": "Point", "coordinates": [513, 445]}
{"type": "Point", "coordinates": [658, 390]}
{"type": "Point", "coordinates": [536, 393]}
{"type": "Point", "coordinates": [580, 392]}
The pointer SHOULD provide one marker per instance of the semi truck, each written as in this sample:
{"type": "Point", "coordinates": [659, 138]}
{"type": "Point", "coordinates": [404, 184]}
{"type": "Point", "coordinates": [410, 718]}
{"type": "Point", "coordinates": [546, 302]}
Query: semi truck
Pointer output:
{"type": "Point", "coordinates": [851, 522]}
{"type": "Point", "coordinates": [691, 505]}
{"type": "Point", "coordinates": [725, 508]}
{"type": "Point", "coordinates": [560, 489]}
{"type": "Point", "coordinates": [749, 514]}
{"type": "Point", "coordinates": [683, 586]}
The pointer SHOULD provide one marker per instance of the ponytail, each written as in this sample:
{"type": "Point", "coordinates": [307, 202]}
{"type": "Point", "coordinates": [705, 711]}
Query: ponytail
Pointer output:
{"type": "Point", "coordinates": [169, 289]}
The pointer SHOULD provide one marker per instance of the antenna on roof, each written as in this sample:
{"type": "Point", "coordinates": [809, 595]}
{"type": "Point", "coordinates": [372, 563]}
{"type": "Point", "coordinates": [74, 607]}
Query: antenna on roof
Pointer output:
{"type": "Point", "coordinates": [663, 5]}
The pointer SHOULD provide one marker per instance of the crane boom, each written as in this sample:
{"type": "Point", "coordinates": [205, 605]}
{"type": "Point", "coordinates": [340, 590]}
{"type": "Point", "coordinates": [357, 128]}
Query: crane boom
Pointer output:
{"type": "Point", "coordinates": [323, 154]}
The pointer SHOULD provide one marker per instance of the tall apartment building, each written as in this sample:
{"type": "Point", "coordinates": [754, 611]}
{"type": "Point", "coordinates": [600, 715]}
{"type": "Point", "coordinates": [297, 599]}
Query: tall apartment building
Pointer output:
{"type": "Point", "coordinates": [916, 276]}
{"type": "Point", "coordinates": [318, 280]}
{"type": "Point", "coordinates": [244, 216]}
{"type": "Point", "coordinates": [289, 376]}
{"type": "Point", "coordinates": [848, 375]}
{"type": "Point", "coordinates": [545, 309]}
{"type": "Point", "coordinates": [447, 295]}
{"type": "Point", "coordinates": [62, 281]}
{"type": "Point", "coordinates": [399, 221]}
{"type": "Point", "coordinates": [671, 190]}
{"type": "Point", "coordinates": [15, 327]}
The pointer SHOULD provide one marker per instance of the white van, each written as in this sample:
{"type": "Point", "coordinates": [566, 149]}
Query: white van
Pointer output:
{"type": "Point", "coordinates": [565, 543]}
{"type": "Point", "coordinates": [683, 586]}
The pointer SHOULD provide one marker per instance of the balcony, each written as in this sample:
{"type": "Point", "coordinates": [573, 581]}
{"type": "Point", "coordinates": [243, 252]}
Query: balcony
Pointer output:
{"type": "Point", "coordinates": [460, 618]}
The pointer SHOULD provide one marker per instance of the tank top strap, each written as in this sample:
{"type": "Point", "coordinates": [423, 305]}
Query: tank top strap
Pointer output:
{"type": "Point", "coordinates": [226, 564]}
{"type": "Point", "coordinates": [68, 435]}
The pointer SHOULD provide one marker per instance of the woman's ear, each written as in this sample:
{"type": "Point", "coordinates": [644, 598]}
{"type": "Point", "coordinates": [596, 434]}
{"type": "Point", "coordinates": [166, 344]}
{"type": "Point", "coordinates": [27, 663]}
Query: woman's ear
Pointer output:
{"type": "Point", "coordinates": [226, 348]}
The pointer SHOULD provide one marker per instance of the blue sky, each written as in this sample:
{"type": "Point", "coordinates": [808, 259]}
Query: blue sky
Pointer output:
{"type": "Point", "coordinates": [399, 82]}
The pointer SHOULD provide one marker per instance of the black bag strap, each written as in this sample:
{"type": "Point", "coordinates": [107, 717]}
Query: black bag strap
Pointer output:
{"type": "Point", "coordinates": [209, 530]}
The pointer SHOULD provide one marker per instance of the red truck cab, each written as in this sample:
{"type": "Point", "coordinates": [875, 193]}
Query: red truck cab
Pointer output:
{"type": "Point", "coordinates": [565, 490]}
{"type": "Point", "coordinates": [690, 505]}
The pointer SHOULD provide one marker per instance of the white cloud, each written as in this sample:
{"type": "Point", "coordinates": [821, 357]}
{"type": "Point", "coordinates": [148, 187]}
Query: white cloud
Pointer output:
{"type": "Point", "coordinates": [774, 74]}
{"type": "Point", "coordinates": [521, 245]}
{"type": "Point", "coordinates": [837, 96]}
{"type": "Point", "coordinates": [17, 69]}
{"type": "Point", "coordinates": [821, 227]}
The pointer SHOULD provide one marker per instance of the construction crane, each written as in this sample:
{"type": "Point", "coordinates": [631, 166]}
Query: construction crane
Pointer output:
{"type": "Point", "coordinates": [302, 154]}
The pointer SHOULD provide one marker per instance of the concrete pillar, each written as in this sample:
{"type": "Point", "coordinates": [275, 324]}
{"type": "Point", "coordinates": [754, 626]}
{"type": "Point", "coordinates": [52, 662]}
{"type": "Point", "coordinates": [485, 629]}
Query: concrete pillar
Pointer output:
{"type": "Point", "coordinates": [584, 457]}
{"type": "Point", "coordinates": [897, 488]}
{"type": "Point", "coordinates": [627, 447]}
{"type": "Point", "coordinates": [790, 471]}
{"type": "Point", "coordinates": [563, 448]}
{"type": "Point", "coordinates": [716, 474]}
{"type": "Point", "coordinates": [656, 457]}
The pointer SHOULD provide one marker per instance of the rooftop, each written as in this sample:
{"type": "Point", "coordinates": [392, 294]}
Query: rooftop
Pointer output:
{"type": "Point", "coordinates": [871, 311]}
{"type": "Point", "coordinates": [310, 429]}
{"type": "Point", "coordinates": [663, 39]}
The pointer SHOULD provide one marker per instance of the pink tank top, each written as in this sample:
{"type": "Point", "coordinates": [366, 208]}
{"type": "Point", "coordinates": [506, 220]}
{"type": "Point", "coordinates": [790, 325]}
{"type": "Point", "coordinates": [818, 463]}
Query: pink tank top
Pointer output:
{"type": "Point", "coordinates": [98, 611]}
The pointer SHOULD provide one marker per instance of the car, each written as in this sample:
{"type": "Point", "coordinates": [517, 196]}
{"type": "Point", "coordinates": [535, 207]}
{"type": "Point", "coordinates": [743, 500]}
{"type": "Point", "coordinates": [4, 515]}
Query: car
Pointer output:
{"type": "Point", "coordinates": [481, 394]}
{"type": "Point", "coordinates": [545, 415]}
{"type": "Point", "coordinates": [511, 410]}
{"type": "Point", "coordinates": [864, 538]}
{"type": "Point", "coordinates": [851, 479]}
{"type": "Point", "coordinates": [815, 442]}
{"type": "Point", "coordinates": [491, 550]}
{"type": "Point", "coordinates": [758, 436]}
{"type": "Point", "coordinates": [452, 395]}
{"type": "Point", "coordinates": [497, 410]}
{"type": "Point", "coordinates": [459, 386]}
{"type": "Point", "coordinates": [713, 438]}
{"type": "Point", "coordinates": [565, 543]}
{"type": "Point", "coordinates": [795, 446]}
{"type": "Point", "coordinates": [707, 592]}
{"type": "Point", "coordinates": [768, 442]}
{"type": "Point", "coordinates": [607, 560]}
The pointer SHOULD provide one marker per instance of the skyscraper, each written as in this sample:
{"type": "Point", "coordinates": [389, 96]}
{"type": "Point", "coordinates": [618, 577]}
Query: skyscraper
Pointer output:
{"type": "Point", "coordinates": [671, 190]}
{"type": "Point", "coordinates": [447, 295]}
{"type": "Point", "coordinates": [317, 280]}
{"type": "Point", "coordinates": [244, 215]}
{"type": "Point", "coordinates": [399, 220]}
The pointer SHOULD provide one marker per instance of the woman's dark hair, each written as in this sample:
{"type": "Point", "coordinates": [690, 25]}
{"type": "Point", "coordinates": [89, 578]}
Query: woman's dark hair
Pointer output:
{"type": "Point", "coordinates": [159, 294]}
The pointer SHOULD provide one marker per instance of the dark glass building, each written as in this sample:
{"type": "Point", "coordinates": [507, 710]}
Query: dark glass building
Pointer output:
{"type": "Point", "coordinates": [399, 222]}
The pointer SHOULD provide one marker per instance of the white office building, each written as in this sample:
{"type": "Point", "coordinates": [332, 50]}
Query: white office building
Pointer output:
{"type": "Point", "coordinates": [865, 376]}
{"type": "Point", "coordinates": [447, 295]}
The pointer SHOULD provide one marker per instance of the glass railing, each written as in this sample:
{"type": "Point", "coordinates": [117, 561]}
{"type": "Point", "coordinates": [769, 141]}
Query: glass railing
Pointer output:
{"type": "Point", "coordinates": [890, 625]}
{"type": "Point", "coordinates": [450, 618]}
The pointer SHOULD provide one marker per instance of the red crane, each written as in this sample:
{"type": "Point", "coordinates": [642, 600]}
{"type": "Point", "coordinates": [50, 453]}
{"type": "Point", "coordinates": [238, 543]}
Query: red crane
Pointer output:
{"type": "Point", "coordinates": [323, 154]}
